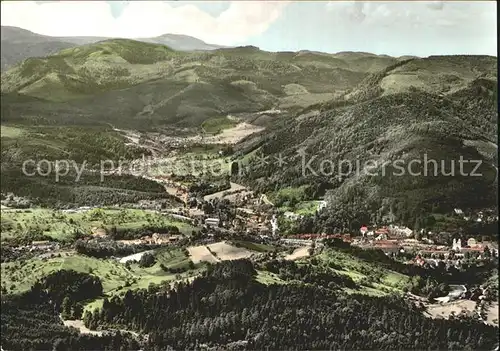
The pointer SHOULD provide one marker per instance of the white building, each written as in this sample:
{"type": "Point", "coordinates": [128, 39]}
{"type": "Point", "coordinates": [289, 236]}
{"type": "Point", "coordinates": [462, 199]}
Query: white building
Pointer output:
{"type": "Point", "coordinates": [471, 242]}
{"type": "Point", "coordinates": [321, 205]}
{"type": "Point", "coordinates": [456, 245]}
{"type": "Point", "coordinates": [212, 222]}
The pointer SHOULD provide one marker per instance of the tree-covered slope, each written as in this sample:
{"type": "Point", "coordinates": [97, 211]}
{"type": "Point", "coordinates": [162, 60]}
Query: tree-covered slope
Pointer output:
{"type": "Point", "coordinates": [383, 127]}
{"type": "Point", "coordinates": [126, 79]}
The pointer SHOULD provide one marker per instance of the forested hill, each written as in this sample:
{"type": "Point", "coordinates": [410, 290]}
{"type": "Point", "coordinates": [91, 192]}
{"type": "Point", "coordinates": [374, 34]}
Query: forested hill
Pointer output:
{"type": "Point", "coordinates": [227, 309]}
{"type": "Point", "coordinates": [136, 84]}
{"type": "Point", "coordinates": [378, 123]}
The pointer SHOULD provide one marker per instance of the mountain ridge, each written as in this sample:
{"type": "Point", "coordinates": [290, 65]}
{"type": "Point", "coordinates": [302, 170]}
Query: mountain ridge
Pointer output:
{"type": "Point", "coordinates": [15, 42]}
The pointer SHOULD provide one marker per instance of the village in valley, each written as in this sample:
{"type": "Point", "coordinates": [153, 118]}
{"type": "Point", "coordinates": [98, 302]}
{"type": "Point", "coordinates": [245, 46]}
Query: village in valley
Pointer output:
{"type": "Point", "coordinates": [209, 218]}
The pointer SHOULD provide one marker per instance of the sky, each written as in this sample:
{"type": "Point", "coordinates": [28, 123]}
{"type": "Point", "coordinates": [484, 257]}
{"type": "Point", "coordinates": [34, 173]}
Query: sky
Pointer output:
{"type": "Point", "coordinates": [392, 28]}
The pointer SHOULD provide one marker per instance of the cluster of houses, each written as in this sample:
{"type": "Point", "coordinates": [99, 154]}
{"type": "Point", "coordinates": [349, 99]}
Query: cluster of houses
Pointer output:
{"type": "Point", "coordinates": [394, 239]}
{"type": "Point", "coordinates": [458, 251]}
{"type": "Point", "coordinates": [156, 238]}
{"type": "Point", "coordinates": [38, 245]}
{"type": "Point", "coordinates": [485, 216]}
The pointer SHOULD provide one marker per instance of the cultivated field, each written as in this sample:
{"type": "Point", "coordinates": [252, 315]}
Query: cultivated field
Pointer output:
{"type": "Point", "coordinates": [201, 254]}
{"type": "Point", "coordinates": [301, 252]}
{"type": "Point", "coordinates": [455, 307]}
{"type": "Point", "coordinates": [224, 251]}
{"type": "Point", "coordinates": [216, 252]}
{"type": "Point", "coordinates": [220, 194]}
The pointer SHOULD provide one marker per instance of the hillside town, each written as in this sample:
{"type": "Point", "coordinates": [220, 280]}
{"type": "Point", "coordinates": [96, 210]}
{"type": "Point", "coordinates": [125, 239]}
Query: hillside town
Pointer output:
{"type": "Point", "coordinates": [238, 211]}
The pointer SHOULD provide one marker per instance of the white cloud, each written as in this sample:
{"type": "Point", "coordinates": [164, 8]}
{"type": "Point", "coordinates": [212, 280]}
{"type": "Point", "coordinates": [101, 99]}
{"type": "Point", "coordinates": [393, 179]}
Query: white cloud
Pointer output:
{"type": "Point", "coordinates": [241, 21]}
{"type": "Point", "coordinates": [414, 27]}
{"type": "Point", "coordinates": [429, 13]}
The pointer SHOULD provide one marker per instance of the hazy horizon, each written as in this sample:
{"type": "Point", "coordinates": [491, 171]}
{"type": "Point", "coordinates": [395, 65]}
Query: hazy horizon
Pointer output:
{"type": "Point", "coordinates": [390, 28]}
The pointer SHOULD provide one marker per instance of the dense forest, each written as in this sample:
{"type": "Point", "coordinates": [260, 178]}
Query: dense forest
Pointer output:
{"type": "Point", "coordinates": [330, 152]}
{"type": "Point", "coordinates": [28, 169]}
{"type": "Point", "coordinates": [439, 275]}
{"type": "Point", "coordinates": [226, 308]}
{"type": "Point", "coordinates": [89, 190]}
{"type": "Point", "coordinates": [31, 321]}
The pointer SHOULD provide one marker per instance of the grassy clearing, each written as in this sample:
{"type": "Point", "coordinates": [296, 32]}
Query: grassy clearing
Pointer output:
{"type": "Point", "coordinates": [304, 208]}
{"type": "Point", "coordinates": [19, 276]}
{"type": "Point", "coordinates": [218, 124]}
{"type": "Point", "coordinates": [367, 275]}
{"type": "Point", "coordinates": [91, 306]}
{"type": "Point", "coordinates": [289, 197]}
{"type": "Point", "coordinates": [174, 259]}
{"type": "Point", "coordinates": [11, 132]}
{"type": "Point", "coordinates": [62, 226]}
{"type": "Point", "coordinates": [116, 277]}
{"type": "Point", "coordinates": [366, 291]}
{"type": "Point", "coordinates": [249, 157]}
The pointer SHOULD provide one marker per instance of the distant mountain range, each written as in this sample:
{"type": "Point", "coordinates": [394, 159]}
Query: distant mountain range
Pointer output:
{"type": "Point", "coordinates": [351, 106]}
{"type": "Point", "coordinates": [158, 84]}
{"type": "Point", "coordinates": [19, 44]}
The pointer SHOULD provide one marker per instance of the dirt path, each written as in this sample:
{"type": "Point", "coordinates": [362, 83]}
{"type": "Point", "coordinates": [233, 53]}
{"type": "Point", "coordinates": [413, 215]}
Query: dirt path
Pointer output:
{"type": "Point", "coordinates": [78, 324]}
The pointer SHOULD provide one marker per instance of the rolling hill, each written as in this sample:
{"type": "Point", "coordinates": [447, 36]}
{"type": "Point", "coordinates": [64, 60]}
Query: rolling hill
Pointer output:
{"type": "Point", "coordinates": [345, 106]}
{"type": "Point", "coordinates": [155, 84]}
{"type": "Point", "coordinates": [19, 44]}
{"type": "Point", "coordinates": [417, 115]}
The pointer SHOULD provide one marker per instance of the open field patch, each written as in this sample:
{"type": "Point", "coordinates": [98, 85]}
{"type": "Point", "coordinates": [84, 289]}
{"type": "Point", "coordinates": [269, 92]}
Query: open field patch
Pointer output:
{"type": "Point", "coordinates": [367, 274]}
{"type": "Point", "coordinates": [221, 194]}
{"type": "Point", "coordinates": [224, 251]}
{"type": "Point", "coordinates": [233, 134]}
{"type": "Point", "coordinates": [451, 308]}
{"type": "Point", "coordinates": [201, 254]}
{"type": "Point", "coordinates": [19, 276]}
{"type": "Point", "coordinates": [217, 125]}
{"type": "Point", "coordinates": [116, 277]}
{"type": "Point", "coordinates": [10, 132]}
{"type": "Point", "coordinates": [492, 314]}
{"type": "Point", "coordinates": [299, 253]}
{"type": "Point", "coordinates": [216, 252]}
{"type": "Point", "coordinates": [65, 226]}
